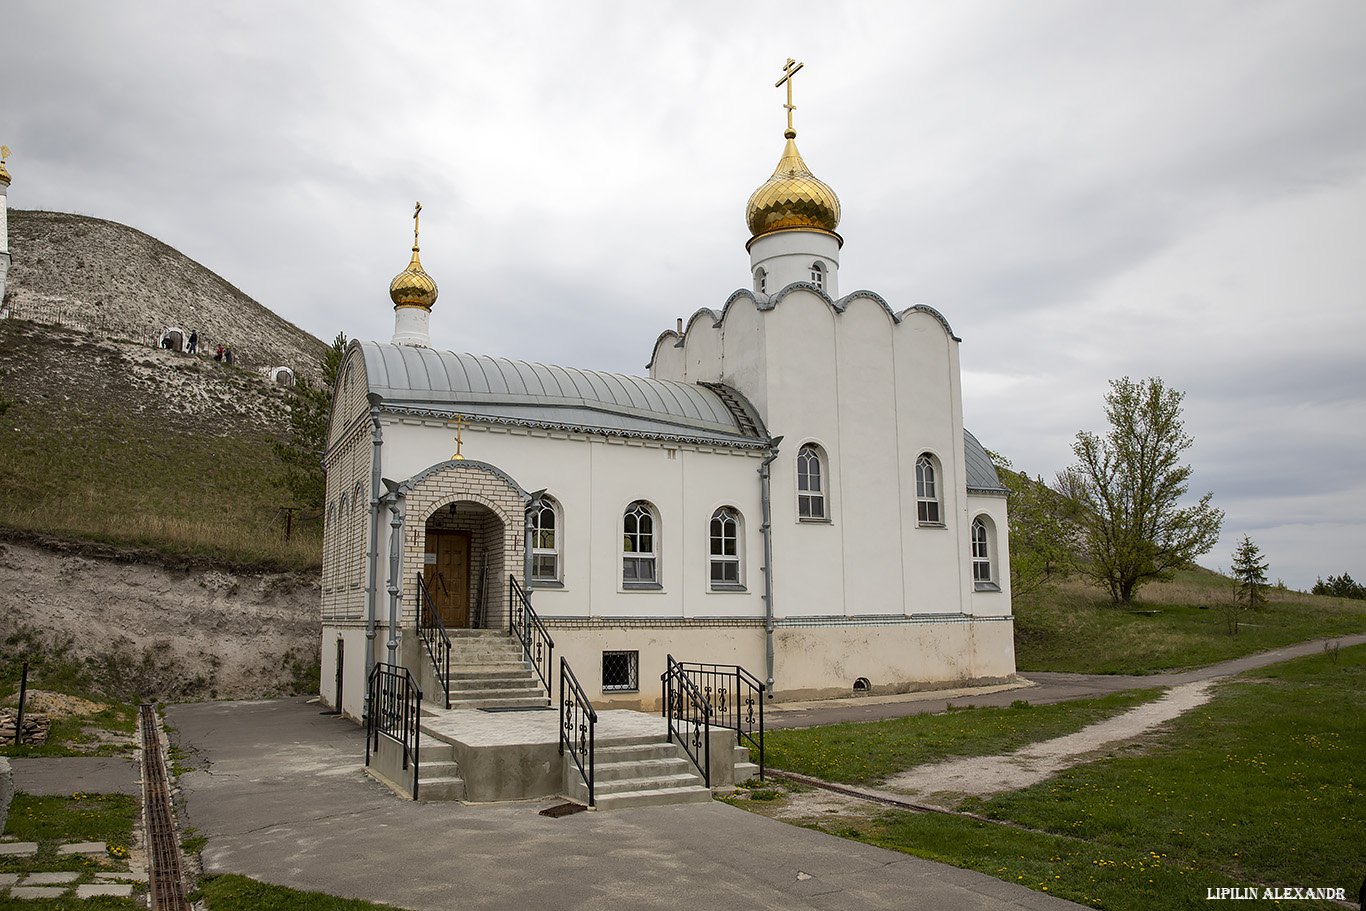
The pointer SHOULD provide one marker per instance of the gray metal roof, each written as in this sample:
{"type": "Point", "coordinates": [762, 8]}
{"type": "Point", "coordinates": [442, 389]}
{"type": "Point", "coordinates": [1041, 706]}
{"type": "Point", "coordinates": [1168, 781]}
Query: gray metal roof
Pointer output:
{"type": "Point", "coordinates": [980, 470]}
{"type": "Point", "coordinates": [511, 391]}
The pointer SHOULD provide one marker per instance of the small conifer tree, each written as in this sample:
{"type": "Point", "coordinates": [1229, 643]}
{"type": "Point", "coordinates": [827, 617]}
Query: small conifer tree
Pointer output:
{"type": "Point", "coordinates": [1249, 569]}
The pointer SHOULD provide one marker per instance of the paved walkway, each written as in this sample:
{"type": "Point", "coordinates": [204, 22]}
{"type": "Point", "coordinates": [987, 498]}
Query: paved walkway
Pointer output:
{"type": "Point", "coordinates": [281, 797]}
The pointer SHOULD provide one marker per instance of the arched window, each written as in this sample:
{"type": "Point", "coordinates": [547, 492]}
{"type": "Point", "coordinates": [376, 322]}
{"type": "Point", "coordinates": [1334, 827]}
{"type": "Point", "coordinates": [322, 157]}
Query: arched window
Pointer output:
{"type": "Point", "coordinates": [723, 544]}
{"type": "Point", "coordinates": [983, 543]}
{"type": "Point", "coordinates": [927, 491]}
{"type": "Point", "coordinates": [810, 484]}
{"type": "Point", "coordinates": [545, 541]}
{"type": "Point", "coordinates": [818, 275]}
{"type": "Point", "coordinates": [640, 542]}
{"type": "Point", "coordinates": [981, 552]}
{"type": "Point", "coordinates": [761, 280]}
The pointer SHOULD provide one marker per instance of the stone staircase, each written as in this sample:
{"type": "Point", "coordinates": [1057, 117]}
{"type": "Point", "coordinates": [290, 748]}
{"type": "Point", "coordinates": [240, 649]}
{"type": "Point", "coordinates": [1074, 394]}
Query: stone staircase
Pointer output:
{"type": "Point", "coordinates": [641, 772]}
{"type": "Point", "coordinates": [438, 775]}
{"type": "Point", "coordinates": [489, 670]}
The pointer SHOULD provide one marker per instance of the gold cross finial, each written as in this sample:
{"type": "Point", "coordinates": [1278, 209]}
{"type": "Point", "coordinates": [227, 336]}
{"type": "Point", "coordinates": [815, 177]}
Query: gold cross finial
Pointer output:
{"type": "Point", "coordinates": [459, 426]}
{"type": "Point", "coordinates": [4, 153]}
{"type": "Point", "coordinates": [416, 212]}
{"type": "Point", "coordinates": [789, 70]}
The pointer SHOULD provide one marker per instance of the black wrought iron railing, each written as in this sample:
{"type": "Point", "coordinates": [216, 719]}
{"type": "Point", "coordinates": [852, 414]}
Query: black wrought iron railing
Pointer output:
{"type": "Point", "coordinates": [537, 645]}
{"type": "Point", "coordinates": [689, 717]}
{"type": "Point", "coordinates": [395, 713]}
{"type": "Point", "coordinates": [578, 721]}
{"type": "Point", "coordinates": [434, 637]}
{"type": "Point", "coordinates": [736, 699]}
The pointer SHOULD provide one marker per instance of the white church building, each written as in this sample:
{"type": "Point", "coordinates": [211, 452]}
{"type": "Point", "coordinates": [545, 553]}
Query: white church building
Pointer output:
{"type": "Point", "coordinates": [791, 490]}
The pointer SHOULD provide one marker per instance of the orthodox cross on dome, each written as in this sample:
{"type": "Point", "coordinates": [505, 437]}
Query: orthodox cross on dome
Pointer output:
{"type": "Point", "coordinates": [459, 426]}
{"type": "Point", "coordinates": [789, 70]}
{"type": "Point", "coordinates": [4, 153]}
{"type": "Point", "coordinates": [416, 212]}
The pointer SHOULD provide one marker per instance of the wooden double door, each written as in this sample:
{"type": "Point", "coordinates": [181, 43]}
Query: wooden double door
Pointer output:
{"type": "Point", "coordinates": [446, 571]}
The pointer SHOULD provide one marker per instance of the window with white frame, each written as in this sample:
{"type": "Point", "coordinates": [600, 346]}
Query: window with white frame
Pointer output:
{"type": "Point", "coordinates": [810, 483]}
{"type": "Point", "coordinates": [927, 491]}
{"type": "Point", "coordinates": [981, 552]}
{"type": "Point", "coordinates": [724, 546]}
{"type": "Point", "coordinates": [640, 538]}
{"type": "Point", "coordinates": [818, 275]}
{"type": "Point", "coordinates": [545, 541]}
{"type": "Point", "coordinates": [761, 280]}
{"type": "Point", "coordinates": [620, 672]}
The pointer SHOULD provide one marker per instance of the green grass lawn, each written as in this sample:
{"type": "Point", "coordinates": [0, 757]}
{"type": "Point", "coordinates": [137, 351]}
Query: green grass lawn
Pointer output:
{"type": "Point", "coordinates": [53, 821]}
{"type": "Point", "coordinates": [1078, 630]}
{"type": "Point", "coordinates": [1262, 787]}
{"type": "Point", "coordinates": [869, 751]}
{"type": "Point", "coordinates": [237, 893]}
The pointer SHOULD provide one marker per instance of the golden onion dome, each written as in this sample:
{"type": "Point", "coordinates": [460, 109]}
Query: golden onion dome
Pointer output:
{"type": "Point", "coordinates": [792, 199]}
{"type": "Point", "coordinates": [413, 287]}
{"type": "Point", "coordinates": [4, 174]}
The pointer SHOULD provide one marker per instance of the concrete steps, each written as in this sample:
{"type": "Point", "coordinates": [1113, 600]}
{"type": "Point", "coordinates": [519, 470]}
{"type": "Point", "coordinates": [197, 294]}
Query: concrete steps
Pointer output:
{"type": "Point", "coordinates": [643, 773]}
{"type": "Point", "coordinates": [438, 774]}
{"type": "Point", "coordinates": [489, 671]}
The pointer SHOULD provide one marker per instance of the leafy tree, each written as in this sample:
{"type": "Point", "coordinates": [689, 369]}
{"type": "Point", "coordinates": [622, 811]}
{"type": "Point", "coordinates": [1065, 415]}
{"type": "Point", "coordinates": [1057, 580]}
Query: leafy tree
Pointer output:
{"type": "Point", "coordinates": [308, 414]}
{"type": "Point", "coordinates": [1043, 532]}
{"type": "Point", "coordinates": [1130, 482]}
{"type": "Point", "coordinates": [1341, 586]}
{"type": "Point", "coordinates": [1249, 569]}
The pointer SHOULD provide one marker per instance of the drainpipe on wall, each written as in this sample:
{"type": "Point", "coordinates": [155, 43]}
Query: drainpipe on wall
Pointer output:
{"type": "Point", "coordinates": [766, 529]}
{"type": "Point", "coordinates": [372, 556]}
{"type": "Point", "coordinates": [532, 506]}
{"type": "Point", "coordinates": [396, 500]}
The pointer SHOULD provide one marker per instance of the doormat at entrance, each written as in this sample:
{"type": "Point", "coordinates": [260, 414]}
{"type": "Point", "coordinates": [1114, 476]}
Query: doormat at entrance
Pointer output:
{"type": "Point", "coordinates": [521, 708]}
{"type": "Point", "coordinates": [563, 809]}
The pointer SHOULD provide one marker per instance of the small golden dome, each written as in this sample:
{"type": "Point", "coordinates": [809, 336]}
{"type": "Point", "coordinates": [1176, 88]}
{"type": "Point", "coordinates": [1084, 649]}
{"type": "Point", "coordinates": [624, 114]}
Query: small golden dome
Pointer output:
{"type": "Point", "coordinates": [413, 287]}
{"type": "Point", "coordinates": [792, 199]}
{"type": "Point", "coordinates": [4, 174]}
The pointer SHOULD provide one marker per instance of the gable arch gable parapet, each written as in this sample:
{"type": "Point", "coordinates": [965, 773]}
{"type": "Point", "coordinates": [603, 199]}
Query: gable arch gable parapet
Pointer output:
{"type": "Point", "coordinates": [467, 465]}
{"type": "Point", "coordinates": [927, 309]}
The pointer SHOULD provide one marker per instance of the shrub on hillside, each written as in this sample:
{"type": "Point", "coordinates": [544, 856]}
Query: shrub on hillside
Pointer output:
{"type": "Point", "coordinates": [1342, 586]}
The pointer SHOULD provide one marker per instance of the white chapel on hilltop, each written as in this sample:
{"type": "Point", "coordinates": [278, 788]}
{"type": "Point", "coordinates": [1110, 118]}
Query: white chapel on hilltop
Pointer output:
{"type": "Point", "coordinates": [791, 490]}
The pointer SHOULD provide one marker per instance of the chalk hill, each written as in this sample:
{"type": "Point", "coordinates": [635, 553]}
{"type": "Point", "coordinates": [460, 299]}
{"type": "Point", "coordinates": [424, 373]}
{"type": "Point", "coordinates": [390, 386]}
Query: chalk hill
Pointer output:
{"type": "Point", "coordinates": [115, 281]}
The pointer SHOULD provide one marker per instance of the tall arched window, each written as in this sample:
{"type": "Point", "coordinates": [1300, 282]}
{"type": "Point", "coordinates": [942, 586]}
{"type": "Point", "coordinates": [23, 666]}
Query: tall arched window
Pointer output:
{"type": "Point", "coordinates": [640, 541]}
{"type": "Point", "coordinates": [927, 491]}
{"type": "Point", "coordinates": [761, 280]}
{"type": "Point", "coordinates": [810, 483]}
{"type": "Point", "coordinates": [818, 275]}
{"type": "Point", "coordinates": [723, 544]}
{"type": "Point", "coordinates": [545, 541]}
{"type": "Point", "coordinates": [981, 552]}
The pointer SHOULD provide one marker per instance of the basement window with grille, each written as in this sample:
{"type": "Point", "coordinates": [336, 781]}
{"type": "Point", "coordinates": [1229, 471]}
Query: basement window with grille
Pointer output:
{"type": "Point", "coordinates": [620, 672]}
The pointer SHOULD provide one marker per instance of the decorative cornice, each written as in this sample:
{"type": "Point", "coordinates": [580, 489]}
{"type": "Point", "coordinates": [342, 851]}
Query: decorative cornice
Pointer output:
{"type": "Point", "coordinates": [888, 620]}
{"type": "Point", "coordinates": [447, 415]}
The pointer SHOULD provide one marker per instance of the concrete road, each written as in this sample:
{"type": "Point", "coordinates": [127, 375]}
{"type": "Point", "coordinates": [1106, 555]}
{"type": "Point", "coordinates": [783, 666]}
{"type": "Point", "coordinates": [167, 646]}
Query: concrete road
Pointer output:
{"type": "Point", "coordinates": [281, 797]}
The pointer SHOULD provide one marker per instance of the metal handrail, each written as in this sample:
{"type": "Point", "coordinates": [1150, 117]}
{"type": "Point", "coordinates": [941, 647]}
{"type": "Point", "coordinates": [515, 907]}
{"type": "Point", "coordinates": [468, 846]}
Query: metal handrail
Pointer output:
{"type": "Point", "coordinates": [537, 645]}
{"type": "Point", "coordinates": [433, 634]}
{"type": "Point", "coordinates": [689, 717]}
{"type": "Point", "coordinates": [578, 723]}
{"type": "Point", "coordinates": [736, 699]}
{"type": "Point", "coordinates": [395, 712]}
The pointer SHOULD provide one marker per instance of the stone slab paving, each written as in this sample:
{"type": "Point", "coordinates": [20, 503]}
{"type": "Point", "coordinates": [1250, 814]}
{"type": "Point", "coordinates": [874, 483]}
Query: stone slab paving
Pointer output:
{"type": "Point", "coordinates": [18, 848]}
{"type": "Point", "coordinates": [37, 891]}
{"type": "Point", "coordinates": [50, 879]}
{"type": "Point", "coordinates": [90, 890]}
{"type": "Point", "coordinates": [84, 847]}
{"type": "Point", "coordinates": [8, 879]}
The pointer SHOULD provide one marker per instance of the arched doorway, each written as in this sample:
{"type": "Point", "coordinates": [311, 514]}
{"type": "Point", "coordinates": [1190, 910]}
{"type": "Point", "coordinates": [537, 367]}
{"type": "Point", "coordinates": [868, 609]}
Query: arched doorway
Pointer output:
{"type": "Point", "coordinates": [463, 564]}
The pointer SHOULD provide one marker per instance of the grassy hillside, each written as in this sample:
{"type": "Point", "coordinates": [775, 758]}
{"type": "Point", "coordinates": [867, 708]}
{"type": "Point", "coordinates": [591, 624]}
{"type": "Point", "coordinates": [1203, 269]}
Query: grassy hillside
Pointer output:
{"type": "Point", "coordinates": [126, 444]}
{"type": "Point", "coordinates": [1173, 625]}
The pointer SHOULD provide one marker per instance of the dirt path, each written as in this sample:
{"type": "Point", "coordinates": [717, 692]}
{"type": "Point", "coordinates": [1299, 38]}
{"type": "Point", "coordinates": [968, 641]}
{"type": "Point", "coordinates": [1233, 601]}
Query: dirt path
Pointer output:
{"type": "Point", "coordinates": [981, 775]}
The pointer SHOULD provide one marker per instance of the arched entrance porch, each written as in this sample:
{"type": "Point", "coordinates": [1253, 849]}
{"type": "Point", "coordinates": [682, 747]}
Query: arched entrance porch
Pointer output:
{"type": "Point", "coordinates": [464, 563]}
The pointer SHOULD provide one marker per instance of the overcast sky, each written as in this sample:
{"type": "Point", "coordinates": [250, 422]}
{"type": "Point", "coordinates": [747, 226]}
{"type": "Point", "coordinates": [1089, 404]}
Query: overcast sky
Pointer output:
{"type": "Point", "coordinates": [1086, 190]}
